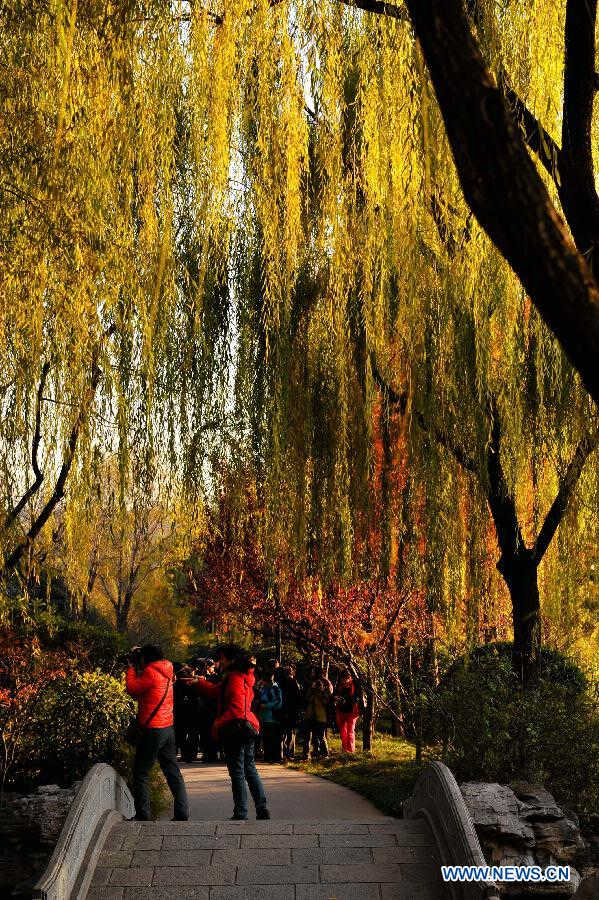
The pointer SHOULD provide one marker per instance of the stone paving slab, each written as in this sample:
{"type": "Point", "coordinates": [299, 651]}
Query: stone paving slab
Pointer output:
{"type": "Point", "coordinates": [358, 840]}
{"type": "Point", "coordinates": [268, 841]}
{"type": "Point", "coordinates": [255, 828]}
{"type": "Point", "coordinates": [331, 828]}
{"type": "Point", "coordinates": [163, 892]}
{"type": "Point", "coordinates": [106, 892]}
{"type": "Point", "coordinates": [201, 842]}
{"type": "Point", "coordinates": [252, 892]}
{"type": "Point", "coordinates": [172, 858]}
{"type": "Point", "coordinates": [332, 856]}
{"type": "Point", "coordinates": [261, 857]}
{"type": "Point", "coordinates": [360, 872]}
{"type": "Point", "coordinates": [419, 854]}
{"type": "Point", "coordinates": [171, 875]}
{"type": "Point", "coordinates": [292, 874]}
{"type": "Point", "coordinates": [410, 892]}
{"type": "Point", "coordinates": [341, 891]}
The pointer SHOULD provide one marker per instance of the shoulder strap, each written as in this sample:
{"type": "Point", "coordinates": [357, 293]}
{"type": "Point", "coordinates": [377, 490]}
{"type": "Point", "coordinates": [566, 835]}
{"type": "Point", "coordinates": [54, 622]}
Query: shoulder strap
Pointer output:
{"type": "Point", "coordinates": [159, 704]}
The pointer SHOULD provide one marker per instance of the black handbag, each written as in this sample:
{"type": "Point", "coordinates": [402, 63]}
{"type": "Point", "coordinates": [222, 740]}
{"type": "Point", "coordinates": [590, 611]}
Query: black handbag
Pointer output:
{"type": "Point", "coordinates": [135, 730]}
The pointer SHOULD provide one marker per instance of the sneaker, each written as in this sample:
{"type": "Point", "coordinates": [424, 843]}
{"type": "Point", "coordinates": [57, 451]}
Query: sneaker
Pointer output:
{"type": "Point", "coordinates": [238, 819]}
{"type": "Point", "coordinates": [262, 813]}
{"type": "Point", "coordinates": [180, 819]}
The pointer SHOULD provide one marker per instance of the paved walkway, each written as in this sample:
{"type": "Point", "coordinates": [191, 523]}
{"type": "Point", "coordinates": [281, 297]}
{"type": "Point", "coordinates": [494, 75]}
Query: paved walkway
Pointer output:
{"type": "Point", "coordinates": [338, 847]}
{"type": "Point", "coordinates": [290, 793]}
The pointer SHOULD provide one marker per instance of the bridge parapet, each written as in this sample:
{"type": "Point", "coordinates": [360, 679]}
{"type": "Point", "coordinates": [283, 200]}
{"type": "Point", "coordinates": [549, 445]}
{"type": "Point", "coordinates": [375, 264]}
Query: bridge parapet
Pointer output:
{"type": "Point", "coordinates": [438, 799]}
{"type": "Point", "coordinates": [102, 800]}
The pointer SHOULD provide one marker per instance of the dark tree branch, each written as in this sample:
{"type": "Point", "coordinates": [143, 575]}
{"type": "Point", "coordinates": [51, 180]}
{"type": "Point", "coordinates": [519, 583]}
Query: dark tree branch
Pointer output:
{"type": "Point", "coordinates": [537, 139]}
{"type": "Point", "coordinates": [578, 192]}
{"type": "Point", "coordinates": [568, 483]}
{"type": "Point", "coordinates": [14, 514]}
{"type": "Point", "coordinates": [502, 186]}
{"type": "Point", "coordinates": [389, 393]}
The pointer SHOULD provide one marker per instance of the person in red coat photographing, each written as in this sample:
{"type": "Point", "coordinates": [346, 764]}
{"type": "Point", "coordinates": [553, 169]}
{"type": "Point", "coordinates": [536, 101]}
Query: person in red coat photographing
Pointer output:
{"type": "Point", "coordinates": [236, 726]}
{"type": "Point", "coordinates": [149, 680]}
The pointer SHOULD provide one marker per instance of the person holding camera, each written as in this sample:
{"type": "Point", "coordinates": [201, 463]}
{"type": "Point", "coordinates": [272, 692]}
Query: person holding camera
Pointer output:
{"type": "Point", "coordinates": [236, 727]}
{"type": "Point", "coordinates": [149, 680]}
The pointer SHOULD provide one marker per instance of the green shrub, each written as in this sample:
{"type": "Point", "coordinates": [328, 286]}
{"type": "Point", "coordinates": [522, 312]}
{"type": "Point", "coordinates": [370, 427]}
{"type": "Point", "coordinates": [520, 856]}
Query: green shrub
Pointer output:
{"type": "Point", "coordinates": [79, 721]}
{"type": "Point", "coordinates": [492, 730]}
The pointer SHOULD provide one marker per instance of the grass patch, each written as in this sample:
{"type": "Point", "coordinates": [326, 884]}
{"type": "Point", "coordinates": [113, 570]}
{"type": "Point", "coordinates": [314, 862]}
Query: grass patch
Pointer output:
{"type": "Point", "coordinates": [384, 776]}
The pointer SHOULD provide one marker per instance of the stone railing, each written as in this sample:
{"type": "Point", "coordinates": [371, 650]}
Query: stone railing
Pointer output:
{"type": "Point", "coordinates": [437, 798]}
{"type": "Point", "coordinates": [102, 800]}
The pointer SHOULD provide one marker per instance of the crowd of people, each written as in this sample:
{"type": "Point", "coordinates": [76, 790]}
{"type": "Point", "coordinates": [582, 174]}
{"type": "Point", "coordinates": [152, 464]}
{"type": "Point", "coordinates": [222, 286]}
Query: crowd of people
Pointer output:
{"type": "Point", "coordinates": [232, 710]}
{"type": "Point", "coordinates": [292, 708]}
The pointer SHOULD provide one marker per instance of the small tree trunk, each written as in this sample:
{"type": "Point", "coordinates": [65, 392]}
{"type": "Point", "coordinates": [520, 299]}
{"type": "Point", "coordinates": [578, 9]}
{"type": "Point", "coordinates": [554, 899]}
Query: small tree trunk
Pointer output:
{"type": "Point", "coordinates": [397, 721]}
{"type": "Point", "coordinates": [368, 717]}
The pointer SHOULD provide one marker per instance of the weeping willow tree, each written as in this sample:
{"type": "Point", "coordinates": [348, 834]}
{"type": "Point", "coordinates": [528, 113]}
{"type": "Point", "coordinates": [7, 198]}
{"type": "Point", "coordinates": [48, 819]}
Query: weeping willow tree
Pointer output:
{"type": "Point", "coordinates": [262, 194]}
{"type": "Point", "coordinates": [111, 343]}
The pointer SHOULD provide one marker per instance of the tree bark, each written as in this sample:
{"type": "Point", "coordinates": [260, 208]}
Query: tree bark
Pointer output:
{"type": "Point", "coordinates": [502, 186]}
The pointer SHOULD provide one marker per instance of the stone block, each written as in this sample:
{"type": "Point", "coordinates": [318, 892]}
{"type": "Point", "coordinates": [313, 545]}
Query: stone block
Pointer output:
{"type": "Point", "coordinates": [274, 857]}
{"type": "Point", "coordinates": [200, 842]}
{"type": "Point", "coordinates": [332, 856]}
{"type": "Point", "coordinates": [271, 841]}
{"type": "Point", "coordinates": [101, 876]}
{"type": "Point", "coordinates": [113, 858]}
{"type": "Point", "coordinates": [330, 828]}
{"type": "Point", "coordinates": [254, 892]}
{"type": "Point", "coordinates": [150, 842]}
{"type": "Point", "coordinates": [133, 875]}
{"type": "Point", "coordinates": [291, 874]}
{"type": "Point", "coordinates": [341, 891]}
{"type": "Point", "coordinates": [426, 855]}
{"type": "Point", "coordinates": [172, 857]}
{"type": "Point", "coordinates": [105, 892]}
{"type": "Point", "coordinates": [254, 828]}
{"type": "Point", "coordinates": [360, 872]}
{"type": "Point", "coordinates": [411, 892]}
{"type": "Point", "coordinates": [163, 892]}
{"type": "Point", "coordinates": [403, 827]}
{"type": "Point", "coordinates": [358, 840]}
{"type": "Point", "coordinates": [166, 828]}
{"type": "Point", "coordinates": [172, 875]}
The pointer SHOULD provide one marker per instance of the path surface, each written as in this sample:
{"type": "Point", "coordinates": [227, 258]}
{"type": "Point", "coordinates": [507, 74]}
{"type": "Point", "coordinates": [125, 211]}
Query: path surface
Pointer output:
{"type": "Point", "coordinates": [291, 795]}
{"type": "Point", "coordinates": [337, 847]}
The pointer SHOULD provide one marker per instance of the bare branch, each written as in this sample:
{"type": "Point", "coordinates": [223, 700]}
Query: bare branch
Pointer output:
{"type": "Point", "coordinates": [585, 448]}
{"type": "Point", "coordinates": [14, 514]}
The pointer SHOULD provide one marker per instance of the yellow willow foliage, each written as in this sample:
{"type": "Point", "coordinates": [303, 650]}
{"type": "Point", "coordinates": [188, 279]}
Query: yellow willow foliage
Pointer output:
{"type": "Point", "coordinates": [237, 208]}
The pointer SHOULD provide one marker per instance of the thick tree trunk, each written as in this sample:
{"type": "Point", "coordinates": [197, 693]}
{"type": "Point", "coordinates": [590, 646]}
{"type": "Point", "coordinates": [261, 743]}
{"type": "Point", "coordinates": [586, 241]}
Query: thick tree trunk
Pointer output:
{"type": "Point", "coordinates": [502, 186]}
{"type": "Point", "coordinates": [521, 577]}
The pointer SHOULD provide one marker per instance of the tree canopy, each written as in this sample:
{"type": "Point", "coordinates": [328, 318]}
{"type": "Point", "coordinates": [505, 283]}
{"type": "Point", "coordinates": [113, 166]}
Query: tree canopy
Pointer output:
{"type": "Point", "coordinates": [236, 229]}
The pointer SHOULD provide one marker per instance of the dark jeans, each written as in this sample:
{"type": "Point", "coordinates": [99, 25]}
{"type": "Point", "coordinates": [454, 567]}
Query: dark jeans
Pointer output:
{"type": "Point", "coordinates": [273, 742]}
{"type": "Point", "coordinates": [158, 744]}
{"type": "Point", "coordinates": [317, 732]}
{"type": "Point", "coordinates": [242, 768]}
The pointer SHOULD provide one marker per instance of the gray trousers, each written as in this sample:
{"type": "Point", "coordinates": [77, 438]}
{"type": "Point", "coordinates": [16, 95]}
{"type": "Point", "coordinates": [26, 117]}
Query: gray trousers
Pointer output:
{"type": "Point", "coordinates": [158, 744]}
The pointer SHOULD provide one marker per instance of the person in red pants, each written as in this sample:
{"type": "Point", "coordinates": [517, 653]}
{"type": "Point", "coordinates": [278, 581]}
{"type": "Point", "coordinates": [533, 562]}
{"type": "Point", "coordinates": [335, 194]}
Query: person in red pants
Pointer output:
{"type": "Point", "coordinates": [346, 709]}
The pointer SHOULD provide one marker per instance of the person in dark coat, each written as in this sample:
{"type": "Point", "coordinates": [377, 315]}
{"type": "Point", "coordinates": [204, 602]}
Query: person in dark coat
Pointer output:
{"type": "Point", "coordinates": [270, 701]}
{"type": "Point", "coordinates": [290, 710]}
{"type": "Point", "coordinates": [186, 716]}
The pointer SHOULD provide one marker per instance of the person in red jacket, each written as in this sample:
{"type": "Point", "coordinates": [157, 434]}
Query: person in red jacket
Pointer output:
{"type": "Point", "coordinates": [347, 710]}
{"type": "Point", "coordinates": [237, 727]}
{"type": "Point", "coordinates": [150, 682]}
